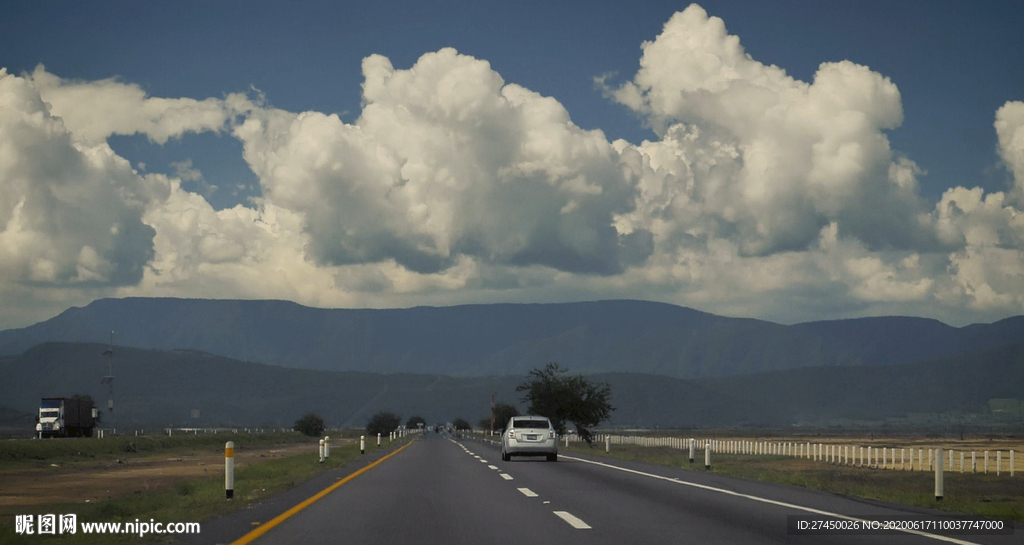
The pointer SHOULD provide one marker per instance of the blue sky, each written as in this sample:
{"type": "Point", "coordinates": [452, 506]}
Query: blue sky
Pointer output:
{"type": "Point", "coordinates": [954, 64]}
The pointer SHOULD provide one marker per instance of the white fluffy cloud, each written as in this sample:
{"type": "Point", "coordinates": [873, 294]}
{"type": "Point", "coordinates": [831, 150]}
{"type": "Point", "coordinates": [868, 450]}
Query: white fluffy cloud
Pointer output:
{"type": "Point", "coordinates": [70, 213]}
{"type": "Point", "coordinates": [1010, 129]}
{"type": "Point", "coordinates": [762, 196]}
{"type": "Point", "coordinates": [95, 110]}
{"type": "Point", "coordinates": [788, 157]}
{"type": "Point", "coordinates": [448, 161]}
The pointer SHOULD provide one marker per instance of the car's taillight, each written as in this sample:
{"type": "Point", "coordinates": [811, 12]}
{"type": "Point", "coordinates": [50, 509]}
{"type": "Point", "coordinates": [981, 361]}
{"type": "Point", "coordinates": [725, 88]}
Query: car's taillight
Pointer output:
{"type": "Point", "coordinates": [511, 434]}
{"type": "Point", "coordinates": [551, 434]}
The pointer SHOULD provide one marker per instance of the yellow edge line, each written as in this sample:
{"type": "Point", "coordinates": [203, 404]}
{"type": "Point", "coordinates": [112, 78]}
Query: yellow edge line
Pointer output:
{"type": "Point", "coordinates": [247, 538]}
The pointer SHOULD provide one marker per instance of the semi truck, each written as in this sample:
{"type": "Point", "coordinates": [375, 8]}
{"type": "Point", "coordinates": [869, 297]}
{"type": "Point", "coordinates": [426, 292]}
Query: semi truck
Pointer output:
{"type": "Point", "coordinates": [66, 417]}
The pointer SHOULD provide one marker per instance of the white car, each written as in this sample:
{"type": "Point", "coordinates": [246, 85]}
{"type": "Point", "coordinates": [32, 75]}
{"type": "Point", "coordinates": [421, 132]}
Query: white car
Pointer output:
{"type": "Point", "coordinates": [529, 436]}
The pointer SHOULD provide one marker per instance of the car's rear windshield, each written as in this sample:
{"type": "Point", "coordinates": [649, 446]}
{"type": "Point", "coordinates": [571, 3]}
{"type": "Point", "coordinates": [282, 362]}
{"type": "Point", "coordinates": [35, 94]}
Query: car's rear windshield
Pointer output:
{"type": "Point", "coordinates": [530, 424]}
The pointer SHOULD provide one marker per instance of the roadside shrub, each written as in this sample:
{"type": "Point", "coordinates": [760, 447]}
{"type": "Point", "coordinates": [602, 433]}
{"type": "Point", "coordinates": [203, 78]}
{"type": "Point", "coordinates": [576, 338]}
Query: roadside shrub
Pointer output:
{"type": "Point", "coordinates": [311, 424]}
{"type": "Point", "coordinates": [383, 423]}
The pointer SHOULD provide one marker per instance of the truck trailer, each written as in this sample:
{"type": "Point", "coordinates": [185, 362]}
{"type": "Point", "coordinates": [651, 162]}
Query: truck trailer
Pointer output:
{"type": "Point", "coordinates": [66, 417]}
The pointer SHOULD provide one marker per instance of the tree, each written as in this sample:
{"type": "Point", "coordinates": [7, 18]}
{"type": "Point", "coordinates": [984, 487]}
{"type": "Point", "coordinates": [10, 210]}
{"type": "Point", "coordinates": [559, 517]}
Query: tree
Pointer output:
{"type": "Point", "coordinates": [383, 423]}
{"type": "Point", "coordinates": [311, 424]}
{"type": "Point", "coordinates": [503, 412]}
{"type": "Point", "coordinates": [461, 424]}
{"type": "Point", "coordinates": [414, 422]}
{"type": "Point", "coordinates": [564, 399]}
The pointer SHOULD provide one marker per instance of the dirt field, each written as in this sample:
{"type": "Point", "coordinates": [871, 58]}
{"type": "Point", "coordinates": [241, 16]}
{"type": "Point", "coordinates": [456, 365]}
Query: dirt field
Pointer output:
{"type": "Point", "coordinates": [91, 481]}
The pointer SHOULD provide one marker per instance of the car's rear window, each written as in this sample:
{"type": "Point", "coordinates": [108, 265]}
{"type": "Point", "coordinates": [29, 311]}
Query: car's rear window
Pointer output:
{"type": "Point", "coordinates": [530, 424]}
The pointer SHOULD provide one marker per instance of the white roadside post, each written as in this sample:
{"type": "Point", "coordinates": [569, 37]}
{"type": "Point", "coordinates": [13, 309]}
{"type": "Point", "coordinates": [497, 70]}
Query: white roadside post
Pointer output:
{"type": "Point", "coordinates": [378, 439]}
{"type": "Point", "coordinates": [229, 469]}
{"type": "Point", "coordinates": [321, 451]}
{"type": "Point", "coordinates": [327, 446]}
{"type": "Point", "coordinates": [961, 461]}
{"type": "Point", "coordinates": [707, 456]}
{"type": "Point", "coordinates": [692, 445]}
{"type": "Point", "coordinates": [607, 443]}
{"type": "Point", "coordinates": [986, 462]}
{"type": "Point", "coordinates": [362, 444]}
{"type": "Point", "coordinates": [938, 474]}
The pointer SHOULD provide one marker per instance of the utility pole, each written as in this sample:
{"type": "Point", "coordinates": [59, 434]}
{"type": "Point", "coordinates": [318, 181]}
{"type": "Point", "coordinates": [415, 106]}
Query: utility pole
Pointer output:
{"type": "Point", "coordinates": [109, 379]}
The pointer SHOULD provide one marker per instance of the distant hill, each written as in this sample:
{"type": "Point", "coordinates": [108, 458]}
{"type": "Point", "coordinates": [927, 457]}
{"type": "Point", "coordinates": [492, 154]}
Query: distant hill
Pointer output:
{"type": "Point", "coordinates": [161, 388]}
{"type": "Point", "coordinates": [507, 339]}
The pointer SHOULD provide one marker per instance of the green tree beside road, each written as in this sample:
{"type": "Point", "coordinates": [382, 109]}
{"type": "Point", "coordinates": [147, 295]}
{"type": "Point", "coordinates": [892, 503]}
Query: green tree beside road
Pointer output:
{"type": "Point", "coordinates": [502, 413]}
{"type": "Point", "coordinates": [311, 424]}
{"type": "Point", "coordinates": [561, 398]}
{"type": "Point", "coordinates": [383, 423]}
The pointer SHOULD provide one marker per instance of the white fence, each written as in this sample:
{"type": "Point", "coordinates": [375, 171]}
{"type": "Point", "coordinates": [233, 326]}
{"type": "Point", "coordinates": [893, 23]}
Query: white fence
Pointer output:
{"type": "Point", "coordinates": [917, 458]}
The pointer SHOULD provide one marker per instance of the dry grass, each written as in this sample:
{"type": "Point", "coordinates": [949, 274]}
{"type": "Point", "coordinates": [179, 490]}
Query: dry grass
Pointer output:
{"type": "Point", "coordinates": [998, 497]}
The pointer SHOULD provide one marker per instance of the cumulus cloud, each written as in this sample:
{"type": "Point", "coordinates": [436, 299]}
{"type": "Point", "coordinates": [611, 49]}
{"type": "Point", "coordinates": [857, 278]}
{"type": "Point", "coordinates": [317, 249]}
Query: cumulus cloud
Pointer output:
{"type": "Point", "coordinates": [95, 110]}
{"type": "Point", "coordinates": [447, 161]}
{"type": "Point", "coordinates": [761, 196]}
{"type": "Point", "coordinates": [789, 157]}
{"type": "Point", "coordinates": [70, 213]}
{"type": "Point", "coordinates": [1010, 130]}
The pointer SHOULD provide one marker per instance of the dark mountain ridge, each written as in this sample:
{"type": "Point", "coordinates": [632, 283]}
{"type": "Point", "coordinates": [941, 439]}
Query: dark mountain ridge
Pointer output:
{"type": "Point", "coordinates": [507, 339]}
{"type": "Point", "coordinates": [162, 388]}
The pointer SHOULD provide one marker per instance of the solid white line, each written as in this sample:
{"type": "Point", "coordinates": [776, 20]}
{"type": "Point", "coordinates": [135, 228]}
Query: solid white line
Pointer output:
{"type": "Point", "coordinates": [506, 476]}
{"type": "Point", "coordinates": [573, 521]}
{"type": "Point", "coordinates": [766, 500]}
{"type": "Point", "coordinates": [492, 467]}
{"type": "Point", "coordinates": [528, 493]}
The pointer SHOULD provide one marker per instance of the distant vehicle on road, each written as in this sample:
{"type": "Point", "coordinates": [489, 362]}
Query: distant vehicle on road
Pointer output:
{"type": "Point", "coordinates": [65, 417]}
{"type": "Point", "coordinates": [529, 436]}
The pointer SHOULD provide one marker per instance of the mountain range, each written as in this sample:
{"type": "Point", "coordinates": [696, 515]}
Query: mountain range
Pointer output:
{"type": "Point", "coordinates": [621, 336]}
{"type": "Point", "coordinates": [158, 388]}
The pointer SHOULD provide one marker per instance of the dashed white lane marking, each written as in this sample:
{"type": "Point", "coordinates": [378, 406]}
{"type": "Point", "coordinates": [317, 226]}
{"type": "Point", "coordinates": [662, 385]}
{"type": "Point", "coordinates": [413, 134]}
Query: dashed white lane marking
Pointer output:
{"type": "Point", "coordinates": [482, 461]}
{"type": "Point", "coordinates": [477, 457]}
{"type": "Point", "coordinates": [768, 501]}
{"type": "Point", "coordinates": [528, 493]}
{"type": "Point", "coordinates": [573, 521]}
{"type": "Point", "coordinates": [506, 476]}
{"type": "Point", "coordinates": [492, 467]}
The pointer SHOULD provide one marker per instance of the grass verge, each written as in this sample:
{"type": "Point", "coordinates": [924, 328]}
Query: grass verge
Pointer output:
{"type": "Point", "coordinates": [27, 453]}
{"type": "Point", "coordinates": [193, 500]}
{"type": "Point", "coordinates": [1000, 498]}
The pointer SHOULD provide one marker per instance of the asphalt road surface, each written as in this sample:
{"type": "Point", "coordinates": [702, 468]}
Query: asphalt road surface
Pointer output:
{"type": "Point", "coordinates": [445, 491]}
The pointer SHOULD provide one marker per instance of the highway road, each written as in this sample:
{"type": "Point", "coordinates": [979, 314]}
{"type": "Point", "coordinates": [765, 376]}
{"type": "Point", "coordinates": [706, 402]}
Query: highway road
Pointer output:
{"type": "Point", "coordinates": [440, 490]}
